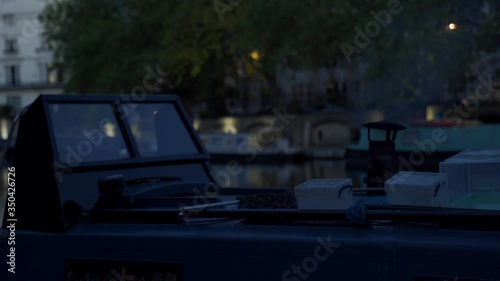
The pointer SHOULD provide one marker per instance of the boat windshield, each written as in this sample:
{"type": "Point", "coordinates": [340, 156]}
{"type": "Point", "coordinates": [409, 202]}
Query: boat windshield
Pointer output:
{"type": "Point", "coordinates": [87, 132]}
{"type": "Point", "coordinates": [158, 131]}
{"type": "Point", "coordinates": [92, 132]}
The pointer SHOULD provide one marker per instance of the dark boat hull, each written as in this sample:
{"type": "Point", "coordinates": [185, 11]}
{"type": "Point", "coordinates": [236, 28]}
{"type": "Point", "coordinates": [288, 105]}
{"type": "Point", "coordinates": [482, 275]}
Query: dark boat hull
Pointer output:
{"type": "Point", "coordinates": [251, 252]}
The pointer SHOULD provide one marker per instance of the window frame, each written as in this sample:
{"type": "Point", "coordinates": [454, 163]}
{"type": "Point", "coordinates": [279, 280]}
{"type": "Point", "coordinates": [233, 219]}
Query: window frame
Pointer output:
{"type": "Point", "coordinates": [135, 158]}
{"type": "Point", "coordinates": [11, 46]}
{"type": "Point", "coordinates": [13, 75]}
{"type": "Point", "coordinates": [9, 19]}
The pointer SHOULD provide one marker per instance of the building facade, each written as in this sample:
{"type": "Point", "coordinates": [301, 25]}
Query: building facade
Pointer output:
{"type": "Point", "coordinates": [26, 64]}
{"type": "Point", "coordinates": [337, 86]}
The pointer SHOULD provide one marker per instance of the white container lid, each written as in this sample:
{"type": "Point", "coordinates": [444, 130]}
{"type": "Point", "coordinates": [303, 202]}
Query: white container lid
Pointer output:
{"type": "Point", "coordinates": [324, 194]}
{"type": "Point", "coordinates": [413, 181]}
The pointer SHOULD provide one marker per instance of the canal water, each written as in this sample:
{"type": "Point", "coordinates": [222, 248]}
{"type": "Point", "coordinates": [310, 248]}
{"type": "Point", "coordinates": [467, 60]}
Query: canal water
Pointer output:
{"type": "Point", "coordinates": [285, 175]}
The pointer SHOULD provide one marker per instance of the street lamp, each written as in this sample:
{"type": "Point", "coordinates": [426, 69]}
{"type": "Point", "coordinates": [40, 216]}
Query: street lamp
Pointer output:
{"type": "Point", "coordinates": [452, 26]}
{"type": "Point", "coordinates": [255, 55]}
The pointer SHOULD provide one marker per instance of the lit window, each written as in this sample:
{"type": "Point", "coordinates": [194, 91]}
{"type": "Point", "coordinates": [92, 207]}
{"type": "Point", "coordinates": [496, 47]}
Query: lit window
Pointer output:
{"type": "Point", "coordinates": [52, 76]}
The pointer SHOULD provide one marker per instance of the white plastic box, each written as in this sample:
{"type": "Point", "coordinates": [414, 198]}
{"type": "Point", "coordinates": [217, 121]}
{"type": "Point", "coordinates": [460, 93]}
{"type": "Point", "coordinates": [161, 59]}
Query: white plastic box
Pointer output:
{"type": "Point", "coordinates": [415, 189]}
{"type": "Point", "coordinates": [472, 179]}
{"type": "Point", "coordinates": [324, 194]}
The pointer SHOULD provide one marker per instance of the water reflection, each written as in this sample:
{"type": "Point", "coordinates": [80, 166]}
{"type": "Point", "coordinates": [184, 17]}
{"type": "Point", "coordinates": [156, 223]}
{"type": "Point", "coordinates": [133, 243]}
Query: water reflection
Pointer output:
{"type": "Point", "coordinates": [284, 175]}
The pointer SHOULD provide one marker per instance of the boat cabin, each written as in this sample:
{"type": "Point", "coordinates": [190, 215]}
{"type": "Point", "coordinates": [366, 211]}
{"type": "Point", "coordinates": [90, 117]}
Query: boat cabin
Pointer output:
{"type": "Point", "coordinates": [65, 145]}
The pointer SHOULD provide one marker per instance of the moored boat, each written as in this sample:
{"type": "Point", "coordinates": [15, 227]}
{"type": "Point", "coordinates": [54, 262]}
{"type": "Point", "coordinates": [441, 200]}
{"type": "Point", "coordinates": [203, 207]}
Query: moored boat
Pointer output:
{"type": "Point", "coordinates": [247, 147]}
{"type": "Point", "coordinates": [424, 144]}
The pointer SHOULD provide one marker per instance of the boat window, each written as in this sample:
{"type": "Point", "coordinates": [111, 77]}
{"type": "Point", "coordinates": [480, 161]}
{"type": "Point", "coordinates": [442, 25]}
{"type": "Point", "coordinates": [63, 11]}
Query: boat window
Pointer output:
{"type": "Point", "coordinates": [87, 133]}
{"type": "Point", "coordinates": [158, 130]}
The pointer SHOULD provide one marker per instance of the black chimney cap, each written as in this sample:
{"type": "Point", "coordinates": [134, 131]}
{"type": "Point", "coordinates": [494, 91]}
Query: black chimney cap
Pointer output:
{"type": "Point", "coordinates": [385, 125]}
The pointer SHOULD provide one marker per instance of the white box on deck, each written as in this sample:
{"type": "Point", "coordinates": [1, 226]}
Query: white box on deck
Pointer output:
{"type": "Point", "coordinates": [471, 172]}
{"type": "Point", "coordinates": [415, 189]}
{"type": "Point", "coordinates": [324, 194]}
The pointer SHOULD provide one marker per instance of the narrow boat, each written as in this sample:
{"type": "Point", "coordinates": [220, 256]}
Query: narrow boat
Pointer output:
{"type": "Point", "coordinates": [446, 130]}
{"type": "Point", "coordinates": [102, 187]}
{"type": "Point", "coordinates": [424, 144]}
{"type": "Point", "coordinates": [249, 147]}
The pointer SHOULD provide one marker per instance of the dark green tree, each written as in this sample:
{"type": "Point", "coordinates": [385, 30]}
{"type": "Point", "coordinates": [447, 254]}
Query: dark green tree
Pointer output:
{"type": "Point", "coordinates": [106, 46]}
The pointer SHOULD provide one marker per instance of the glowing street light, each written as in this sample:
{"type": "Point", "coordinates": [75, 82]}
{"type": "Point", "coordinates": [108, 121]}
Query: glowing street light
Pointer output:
{"type": "Point", "coordinates": [452, 26]}
{"type": "Point", "coordinates": [255, 55]}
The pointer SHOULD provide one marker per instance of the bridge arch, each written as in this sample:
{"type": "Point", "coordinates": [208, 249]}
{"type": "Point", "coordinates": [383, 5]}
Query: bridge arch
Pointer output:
{"type": "Point", "coordinates": [329, 132]}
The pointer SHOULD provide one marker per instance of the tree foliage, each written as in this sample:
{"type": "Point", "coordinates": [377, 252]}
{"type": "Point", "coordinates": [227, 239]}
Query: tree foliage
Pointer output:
{"type": "Point", "coordinates": [106, 45]}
